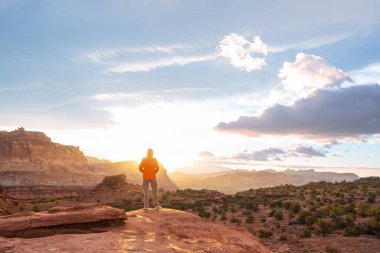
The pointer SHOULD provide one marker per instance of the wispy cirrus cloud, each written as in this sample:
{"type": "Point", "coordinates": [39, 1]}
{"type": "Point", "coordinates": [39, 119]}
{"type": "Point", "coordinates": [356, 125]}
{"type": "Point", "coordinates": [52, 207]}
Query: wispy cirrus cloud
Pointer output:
{"type": "Point", "coordinates": [104, 55]}
{"type": "Point", "coordinates": [312, 43]}
{"type": "Point", "coordinates": [145, 66]}
{"type": "Point", "coordinates": [236, 50]}
{"type": "Point", "coordinates": [149, 95]}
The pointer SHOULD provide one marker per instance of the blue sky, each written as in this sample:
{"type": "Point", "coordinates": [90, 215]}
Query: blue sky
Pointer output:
{"type": "Point", "coordinates": [117, 77]}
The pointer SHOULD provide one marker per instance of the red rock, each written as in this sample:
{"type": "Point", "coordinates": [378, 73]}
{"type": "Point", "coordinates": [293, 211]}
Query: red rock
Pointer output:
{"type": "Point", "coordinates": [161, 231]}
{"type": "Point", "coordinates": [69, 214]}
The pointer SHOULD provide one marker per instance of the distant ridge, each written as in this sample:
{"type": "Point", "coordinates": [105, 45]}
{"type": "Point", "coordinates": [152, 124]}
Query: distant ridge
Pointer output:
{"type": "Point", "coordinates": [240, 180]}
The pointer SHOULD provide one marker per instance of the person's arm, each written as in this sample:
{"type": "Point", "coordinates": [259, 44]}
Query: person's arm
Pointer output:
{"type": "Point", "coordinates": [157, 166]}
{"type": "Point", "coordinates": [141, 167]}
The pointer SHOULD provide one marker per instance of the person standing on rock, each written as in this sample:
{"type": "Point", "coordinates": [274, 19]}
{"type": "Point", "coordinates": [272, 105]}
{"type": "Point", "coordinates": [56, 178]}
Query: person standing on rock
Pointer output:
{"type": "Point", "coordinates": [149, 168]}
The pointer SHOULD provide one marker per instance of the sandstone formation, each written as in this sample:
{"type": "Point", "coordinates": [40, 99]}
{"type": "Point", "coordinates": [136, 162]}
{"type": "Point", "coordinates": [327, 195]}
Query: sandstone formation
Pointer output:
{"type": "Point", "coordinates": [130, 169]}
{"type": "Point", "coordinates": [32, 159]}
{"type": "Point", "coordinates": [36, 147]}
{"type": "Point", "coordinates": [164, 231]}
{"type": "Point", "coordinates": [116, 191]}
{"type": "Point", "coordinates": [32, 166]}
{"type": "Point", "coordinates": [69, 218]}
{"type": "Point", "coordinates": [4, 200]}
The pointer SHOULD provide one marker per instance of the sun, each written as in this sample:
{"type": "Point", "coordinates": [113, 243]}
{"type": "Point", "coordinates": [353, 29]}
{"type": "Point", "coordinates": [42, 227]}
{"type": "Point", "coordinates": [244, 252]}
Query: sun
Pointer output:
{"type": "Point", "coordinates": [138, 130]}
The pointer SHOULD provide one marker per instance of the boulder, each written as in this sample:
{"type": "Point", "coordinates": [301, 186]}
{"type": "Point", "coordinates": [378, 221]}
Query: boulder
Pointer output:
{"type": "Point", "coordinates": [114, 180]}
{"type": "Point", "coordinates": [69, 218]}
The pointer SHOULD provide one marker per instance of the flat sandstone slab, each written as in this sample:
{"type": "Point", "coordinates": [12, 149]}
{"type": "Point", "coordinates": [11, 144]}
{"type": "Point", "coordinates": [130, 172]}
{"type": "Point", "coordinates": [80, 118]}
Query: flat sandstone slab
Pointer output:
{"type": "Point", "coordinates": [64, 215]}
{"type": "Point", "coordinates": [163, 231]}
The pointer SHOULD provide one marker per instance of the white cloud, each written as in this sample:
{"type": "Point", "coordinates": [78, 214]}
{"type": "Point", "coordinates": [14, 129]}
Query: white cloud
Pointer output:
{"type": "Point", "coordinates": [303, 77]}
{"type": "Point", "coordinates": [154, 64]}
{"type": "Point", "coordinates": [100, 56]}
{"type": "Point", "coordinates": [234, 48]}
{"type": "Point", "coordinates": [149, 95]}
{"type": "Point", "coordinates": [367, 75]}
{"type": "Point", "coordinates": [238, 51]}
{"type": "Point", "coordinates": [311, 43]}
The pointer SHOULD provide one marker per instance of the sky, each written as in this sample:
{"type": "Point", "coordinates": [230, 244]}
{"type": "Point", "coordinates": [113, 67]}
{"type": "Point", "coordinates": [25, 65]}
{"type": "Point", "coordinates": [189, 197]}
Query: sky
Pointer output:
{"type": "Point", "coordinates": [209, 85]}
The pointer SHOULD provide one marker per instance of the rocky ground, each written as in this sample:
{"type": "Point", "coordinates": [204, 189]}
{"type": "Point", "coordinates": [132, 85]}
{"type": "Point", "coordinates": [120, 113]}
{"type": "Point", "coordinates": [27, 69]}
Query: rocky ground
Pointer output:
{"type": "Point", "coordinates": [163, 231]}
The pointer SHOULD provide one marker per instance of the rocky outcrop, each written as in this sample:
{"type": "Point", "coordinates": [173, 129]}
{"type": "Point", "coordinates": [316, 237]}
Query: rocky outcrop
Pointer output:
{"type": "Point", "coordinates": [47, 191]}
{"type": "Point", "coordinates": [116, 180]}
{"type": "Point", "coordinates": [130, 168]}
{"type": "Point", "coordinates": [69, 218]}
{"type": "Point", "coordinates": [4, 199]}
{"type": "Point", "coordinates": [31, 159]}
{"type": "Point", "coordinates": [32, 166]}
{"type": "Point", "coordinates": [164, 231]}
{"type": "Point", "coordinates": [116, 191]}
{"type": "Point", "coordinates": [37, 148]}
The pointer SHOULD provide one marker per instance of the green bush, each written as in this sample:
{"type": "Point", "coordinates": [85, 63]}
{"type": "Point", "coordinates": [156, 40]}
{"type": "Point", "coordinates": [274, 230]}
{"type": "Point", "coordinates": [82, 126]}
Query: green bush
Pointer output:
{"type": "Point", "coordinates": [265, 233]}
{"type": "Point", "coordinates": [354, 230]}
{"type": "Point", "coordinates": [277, 214]}
{"type": "Point", "coordinates": [331, 249]}
{"type": "Point", "coordinates": [250, 219]}
{"type": "Point", "coordinates": [324, 227]}
{"type": "Point", "coordinates": [35, 209]}
{"type": "Point", "coordinates": [235, 220]}
{"type": "Point", "coordinates": [306, 233]}
{"type": "Point", "coordinates": [283, 237]}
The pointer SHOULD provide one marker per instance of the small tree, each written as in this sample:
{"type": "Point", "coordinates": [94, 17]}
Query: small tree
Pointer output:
{"type": "Point", "coordinates": [324, 227]}
{"type": "Point", "coordinates": [250, 219]}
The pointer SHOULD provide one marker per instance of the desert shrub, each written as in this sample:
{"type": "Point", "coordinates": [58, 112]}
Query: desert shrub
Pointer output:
{"type": "Point", "coordinates": [276, 203]}
{"type": "Point", "coordinates": [343, 221]}
{"type": "Point", "coordinates": [277, 214]}
{"type": "Point", "coordinates": [283, 237]}
{"type": "Point", "coordinates": [306, 233]}
{"type": "Point", "coordinates": [35, 208]}
{"type": "Point", "coordinates": [373, 224]}
{"type": "Point", "coordinates": [165, 195]}
{"type": "Point", "coordinates": [265, 233]}
{"type": "Point", "coordinates": [235, 220]}
{"type": "Point", "coordinates": [331, 249]}
{"type": "Point", "coordinates": [371, 197]}
{"type": "Point", "coordinates": [303, 215]}
{"type": "Point", "coordinates": [223, 217]}
{"type": "Point", "coordinates": [251, 206]}
{"type": "Point", "coordinates": [294, 207]}
{"type": "Point", "coordinates": [362, 209]}
{"type": "Point", "coordinates": [250, 219]}
{"type": "Point", "coordinates": [355, 229]}
{"type": "Point", "coordinates": [324, 227]}
{"type": "Point", "coordinates": [202, 213]}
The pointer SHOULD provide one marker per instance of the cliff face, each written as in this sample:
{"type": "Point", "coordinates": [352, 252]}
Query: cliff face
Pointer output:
{"type": "Point", "coordinates": [31, 165]}
{"type": "Point", "coordinates": [32, 159]}
{"type": "Point", "coordinates": [35, 147]}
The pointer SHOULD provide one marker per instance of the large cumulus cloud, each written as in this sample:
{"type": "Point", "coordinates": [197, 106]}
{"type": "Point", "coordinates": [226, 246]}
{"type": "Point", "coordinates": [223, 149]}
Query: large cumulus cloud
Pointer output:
{"type": "Point", "coordinates": [339, 113]}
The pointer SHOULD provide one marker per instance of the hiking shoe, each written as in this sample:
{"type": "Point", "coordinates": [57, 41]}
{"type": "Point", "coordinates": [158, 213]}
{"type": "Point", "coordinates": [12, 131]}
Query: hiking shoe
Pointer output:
{"type": "Point", "coordinates": [145, 209]}
{"type": "Point", "coordinates": [158, 207]}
